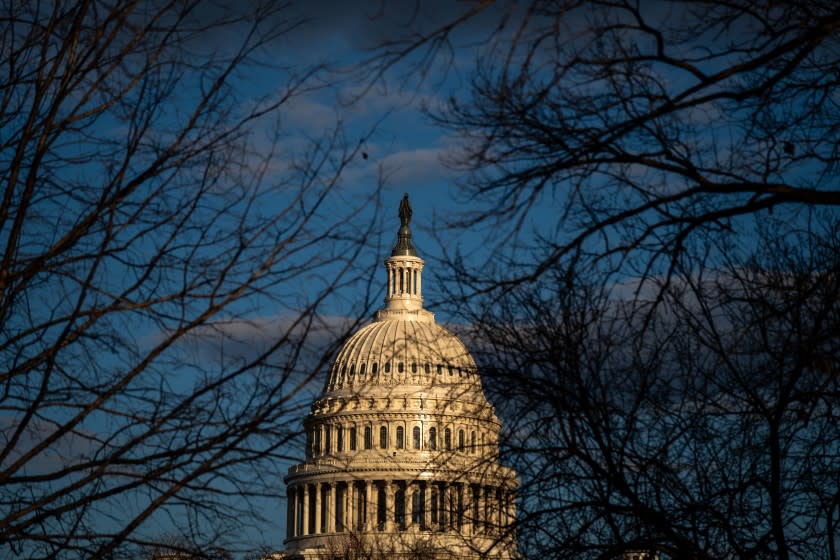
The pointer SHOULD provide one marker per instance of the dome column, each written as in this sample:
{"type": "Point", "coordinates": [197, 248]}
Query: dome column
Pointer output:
{"type": "Point", "coordinates": [353, 492]}
{"type": "Point", "coordinates": [468, 509]}
{"type": "Point", "coordinates": [290, 513]}
{"type": "Point", "coordinates": [318, 508]}
{"type": "Point", "coordinates": [427, 505]}
{"type": "Point", "coordinates": [366, 509]}
{"type": "Point", "coordinates": [334, 520]}
{"type": "Point", "coordinates": [299, 512]}
{"type": "Point", "coordinates": [389, 506]}
{"type": "Point", "coordinates": [480, 518]}
{"type": "Point", "coordinates": [308, 507]}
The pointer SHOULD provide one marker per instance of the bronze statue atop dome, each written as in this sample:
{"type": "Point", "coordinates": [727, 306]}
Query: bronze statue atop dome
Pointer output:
{"type": "Point", "coordinates": [404, 246]}
{"type": "Point", "coordinates": [405, 210]}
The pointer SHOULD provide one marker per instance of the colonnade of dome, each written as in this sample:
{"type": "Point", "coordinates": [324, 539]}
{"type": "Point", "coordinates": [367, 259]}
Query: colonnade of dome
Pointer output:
{"type": "Point", "coordinates": [402, 446]}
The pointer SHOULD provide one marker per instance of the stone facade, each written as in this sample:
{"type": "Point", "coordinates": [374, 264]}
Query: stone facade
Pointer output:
{"type": "Point", "coordinates": [402, 446]}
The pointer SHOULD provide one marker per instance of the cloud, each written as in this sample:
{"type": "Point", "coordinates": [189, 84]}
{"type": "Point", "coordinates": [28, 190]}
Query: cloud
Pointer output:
{"type": "Point", "coordinates": [406, 169]}
{"type": "Point", "coordinates": [366, 24]}
{"type": "Point", "coordinates": [245, 340]}
{"type": "Point", "coordinates": [309, 112]}
{"type": "Point", "coordinates": [415, 167]}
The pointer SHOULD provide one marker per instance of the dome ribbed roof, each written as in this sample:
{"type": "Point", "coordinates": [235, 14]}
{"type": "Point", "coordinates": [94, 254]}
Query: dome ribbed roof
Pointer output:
{"type": "Point", "coordinates": [395, 352]}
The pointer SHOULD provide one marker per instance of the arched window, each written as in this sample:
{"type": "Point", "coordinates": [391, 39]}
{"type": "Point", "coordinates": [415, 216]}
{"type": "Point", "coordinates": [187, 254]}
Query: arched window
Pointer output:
{"type": "Point", "coordinates": [352, 438]}
{"type": "Point", "coordinates": [472, 442]}
{"type": "Point", "coordinates": [433, 438]}
{"type": "Point", "coordinates": [339, 438]}
{"type": "Point", "coordinates": [383, 437]}
{"type": "Point", "coordinates": [368, 438]}
{"type": "Point", "coordinates": [447, 439]}
{"type": "Point", "coordinates": [400, 437]}
{"type": "Point", "coordinates": [327, 439]}
{"type": "Point", "coordinates": [461, 441]}
{"type": "Point", "coordinates": [416, 437]}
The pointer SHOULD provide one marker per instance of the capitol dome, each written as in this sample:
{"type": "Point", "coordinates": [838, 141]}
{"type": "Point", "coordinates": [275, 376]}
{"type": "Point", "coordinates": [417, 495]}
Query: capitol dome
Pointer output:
{"type": "Point", "coordinates": [402, 445]}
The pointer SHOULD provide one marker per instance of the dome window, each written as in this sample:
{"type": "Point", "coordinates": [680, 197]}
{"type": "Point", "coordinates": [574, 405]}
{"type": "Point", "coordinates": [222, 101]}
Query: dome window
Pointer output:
{"type": "Point", "coordinates": [327, 439]}
{"type": "Point", "coordinates": [399, 508]}
{"type": "Point", "coordinates": [417, 510]}
{"type": "Point", "coordinates": [447, 439]}
{"type": "Point", "coordinates": [352, 438]}
{"type": "Point", "coordinates": [368, 438]}
{"type": "Point", "coordinates": [362, 369]}
{"type": "Point", "coordinates": [413, 367]}
{"type": "Point", "coordinates": [451, 371]}
{"type": "Point", "coordinates": [374, 368]}
{"type": "Point", "coordinates": [352, 369]}
{"type": "Point", "coordinates": [461, 441]}
{"type": "Point", "coordinates": [383, 437]}
{"type": "Point", "coordinates": [400, 437]}
{"type": "Point", "coordinates": [433, 439]}
{"type": "Point", "coordinates": [339, 438]}
{"type": "Point", "coordinates": [472, 442]}
{"type": "Point", "coordinates": [387, 367]}
{"type": "Point", "coordinates": [416, 437]}
{"type": "Point", "coordinates": [381, 508]}
{"type": "Point", "coordinates": [426, 367]}
{"type": "Point", "coordinates": [400, 367]}
{"type": "Point", "coordinates": [440, 369]}
{"type": "Point", "coordinates": [316, 441]}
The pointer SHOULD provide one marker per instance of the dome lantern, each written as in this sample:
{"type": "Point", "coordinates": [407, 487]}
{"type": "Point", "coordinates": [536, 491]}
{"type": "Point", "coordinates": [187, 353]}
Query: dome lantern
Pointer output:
{"type": "Point", "coordinates": [404, 295]}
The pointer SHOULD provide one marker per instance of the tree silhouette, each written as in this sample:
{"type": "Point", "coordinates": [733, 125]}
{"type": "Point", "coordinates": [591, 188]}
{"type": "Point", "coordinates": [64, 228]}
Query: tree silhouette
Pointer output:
{"type": "Point", "coordinates": [656, 297]}
{"type": "Point", "coordinates": [709, 433]}
{"type": "Point", "coordinates": [156, 233]}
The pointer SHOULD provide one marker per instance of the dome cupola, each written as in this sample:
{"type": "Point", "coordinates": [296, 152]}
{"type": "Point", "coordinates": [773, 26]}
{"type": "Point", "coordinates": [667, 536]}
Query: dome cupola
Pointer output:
{"type": "Point", "coordinates": [404, 286]}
